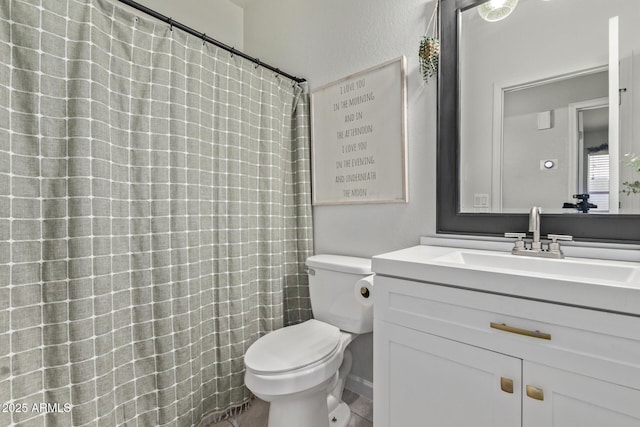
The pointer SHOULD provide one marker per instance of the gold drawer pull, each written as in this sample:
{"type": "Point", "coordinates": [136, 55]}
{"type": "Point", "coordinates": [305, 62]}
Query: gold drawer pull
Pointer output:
{"type": "Point", "coordinates": [535, 392]}
{"type": "Point", "coordinates": [526, 332]}
{"type": "Point", "coordinates": [506, 385]}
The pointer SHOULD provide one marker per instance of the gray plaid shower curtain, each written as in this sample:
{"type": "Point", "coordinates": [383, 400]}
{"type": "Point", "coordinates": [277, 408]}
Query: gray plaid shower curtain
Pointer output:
{"type": "Point", "coordinates": [154, 217]}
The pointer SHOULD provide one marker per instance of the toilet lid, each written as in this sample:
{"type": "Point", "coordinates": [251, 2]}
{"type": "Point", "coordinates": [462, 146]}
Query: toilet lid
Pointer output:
{"type": "Point", "coordinates": [293, 347]}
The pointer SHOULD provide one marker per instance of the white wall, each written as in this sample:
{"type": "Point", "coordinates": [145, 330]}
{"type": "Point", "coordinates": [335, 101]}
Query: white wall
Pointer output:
{"type": "Point", "coordinates": [324, 41]}
{"type": "Point", "coordinates": [219, 19]}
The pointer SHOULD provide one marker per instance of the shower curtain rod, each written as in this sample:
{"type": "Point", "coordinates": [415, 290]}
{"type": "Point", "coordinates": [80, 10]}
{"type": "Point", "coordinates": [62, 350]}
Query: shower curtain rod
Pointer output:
{"type": "Point", "coordinates": [206, 38]}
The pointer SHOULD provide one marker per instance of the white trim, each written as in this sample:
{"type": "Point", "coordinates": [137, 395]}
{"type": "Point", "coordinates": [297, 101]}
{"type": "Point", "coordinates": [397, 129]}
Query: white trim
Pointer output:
{"type": "Point", "coordinates": [498, 148]}
{"type": "Point", "coordinates": [614, 117]}
{"type": "Point", "coordinates": [359, 386]}
{"type": "Point", "coordinates": [575, 148]}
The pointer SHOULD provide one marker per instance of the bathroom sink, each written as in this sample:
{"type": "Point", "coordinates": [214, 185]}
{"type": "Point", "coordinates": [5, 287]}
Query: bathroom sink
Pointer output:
{"type": "Point", "coordinates": [572, 269]}
{"type": "Point", "coordinates": [597, 283]}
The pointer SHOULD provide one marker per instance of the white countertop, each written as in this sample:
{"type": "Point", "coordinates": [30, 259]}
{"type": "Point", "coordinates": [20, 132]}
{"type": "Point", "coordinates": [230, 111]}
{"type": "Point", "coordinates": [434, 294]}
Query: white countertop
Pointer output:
{"type": "Point", "coordinates": [426, 263]}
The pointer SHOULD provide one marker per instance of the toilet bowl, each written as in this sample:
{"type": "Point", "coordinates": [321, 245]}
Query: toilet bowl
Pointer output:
{"type": "Point", "coordinates": [295, 369]}
{"type": "Point", "coordinates": [301, 369]}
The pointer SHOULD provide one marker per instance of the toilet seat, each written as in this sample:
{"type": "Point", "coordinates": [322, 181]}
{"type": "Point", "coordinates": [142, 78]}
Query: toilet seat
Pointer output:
{"type": "Point", "coordinates": [293, 348]}
{"type": "Point", "coordinates": [295, 359]}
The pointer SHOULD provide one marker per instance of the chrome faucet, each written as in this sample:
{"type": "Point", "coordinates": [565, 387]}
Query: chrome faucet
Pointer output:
{"type": "Point", "coordinates": [552, 251]}
{"type": "Point", "coordinates": [534, 227]}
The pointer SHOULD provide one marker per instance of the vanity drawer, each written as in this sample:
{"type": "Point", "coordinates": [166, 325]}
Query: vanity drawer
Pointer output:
{"type": "Point", "coordinates": [598, 344]}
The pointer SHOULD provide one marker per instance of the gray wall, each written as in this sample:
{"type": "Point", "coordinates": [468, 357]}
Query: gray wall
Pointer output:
{"type": "Point", "coordinates": [524, 182]}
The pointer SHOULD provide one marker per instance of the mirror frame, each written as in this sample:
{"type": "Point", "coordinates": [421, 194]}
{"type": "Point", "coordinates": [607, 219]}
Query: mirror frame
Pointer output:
{"type": "Point", "coordinates": [606, 228]}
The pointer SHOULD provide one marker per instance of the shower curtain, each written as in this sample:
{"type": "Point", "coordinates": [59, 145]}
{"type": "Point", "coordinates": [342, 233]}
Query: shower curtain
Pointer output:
{"type": "Point", "coordinates": [154, 217]}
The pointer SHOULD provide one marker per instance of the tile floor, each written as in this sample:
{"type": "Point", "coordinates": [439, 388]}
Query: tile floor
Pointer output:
{"type": "Point", "coordinates": [256, 416]}
{"type": "Point", "coordinates": [361, 409]}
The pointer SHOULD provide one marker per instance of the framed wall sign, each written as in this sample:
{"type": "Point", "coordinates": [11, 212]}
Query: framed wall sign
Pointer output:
{"type": "Point", "coordinates": [358, 137]}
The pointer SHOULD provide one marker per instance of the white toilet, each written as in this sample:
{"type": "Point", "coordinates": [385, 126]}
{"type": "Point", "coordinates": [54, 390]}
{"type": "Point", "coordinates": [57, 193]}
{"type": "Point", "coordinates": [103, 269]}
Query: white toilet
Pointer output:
{"type": "Point", "coordinates": [301, 369]}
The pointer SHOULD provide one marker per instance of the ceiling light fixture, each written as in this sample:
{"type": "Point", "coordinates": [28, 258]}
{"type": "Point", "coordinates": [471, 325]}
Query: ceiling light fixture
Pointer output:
{"type": "Point", "coordinates": [496, 10]}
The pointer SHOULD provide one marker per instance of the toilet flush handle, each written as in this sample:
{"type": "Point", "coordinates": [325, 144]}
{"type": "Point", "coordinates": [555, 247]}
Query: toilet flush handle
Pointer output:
{"type": "Point", "coordinates": [310, 271]}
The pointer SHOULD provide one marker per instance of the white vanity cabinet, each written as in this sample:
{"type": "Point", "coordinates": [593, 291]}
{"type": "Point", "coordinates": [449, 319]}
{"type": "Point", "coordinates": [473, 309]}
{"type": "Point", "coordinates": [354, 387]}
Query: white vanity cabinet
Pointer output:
{"type": "Point", "coordinates": [424, 380]}
{"type": "Point", "coordinates": [450, 357]}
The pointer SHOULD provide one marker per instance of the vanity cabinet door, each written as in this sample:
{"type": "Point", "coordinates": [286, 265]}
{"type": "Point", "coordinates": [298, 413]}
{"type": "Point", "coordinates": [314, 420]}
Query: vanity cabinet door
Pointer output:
{"type": "Point", "coordinates": [563, 399]}
{"type": "Point", "coordinates": [425, 380]}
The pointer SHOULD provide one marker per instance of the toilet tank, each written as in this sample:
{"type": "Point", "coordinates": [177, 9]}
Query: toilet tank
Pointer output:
{"type": "Point", "coordinates": [332, 282]}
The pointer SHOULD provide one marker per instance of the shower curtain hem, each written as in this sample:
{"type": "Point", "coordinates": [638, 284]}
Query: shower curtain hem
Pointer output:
{"type": "Point", "coordinates": [219, 416]}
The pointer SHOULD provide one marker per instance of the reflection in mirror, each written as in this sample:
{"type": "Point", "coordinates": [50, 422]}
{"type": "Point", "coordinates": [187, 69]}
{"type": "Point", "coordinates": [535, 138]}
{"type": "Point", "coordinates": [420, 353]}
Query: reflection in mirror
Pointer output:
{"type": "Point", "coordinates": [592, 131]}
{"type": "Point", "coordinates": [535, 88]}
{"type": "Point", "coordinates": [537, 125]}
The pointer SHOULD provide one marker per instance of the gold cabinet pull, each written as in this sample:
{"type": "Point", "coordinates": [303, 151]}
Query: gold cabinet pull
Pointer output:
{"type": "Point", "coordinates": [526, 332]}
{"type": "Point", "coordinates": [506, 385]}
{"type": "Point", "coordinates": [535, 392]}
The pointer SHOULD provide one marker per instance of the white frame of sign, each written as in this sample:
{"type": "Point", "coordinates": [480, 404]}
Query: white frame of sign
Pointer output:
{"type": "Point", "coordinates": [358, 137]}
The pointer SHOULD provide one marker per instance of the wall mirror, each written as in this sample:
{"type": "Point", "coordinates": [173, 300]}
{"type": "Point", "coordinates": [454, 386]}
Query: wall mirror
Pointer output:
{"type": "Point", "coordinates": [526, 97]}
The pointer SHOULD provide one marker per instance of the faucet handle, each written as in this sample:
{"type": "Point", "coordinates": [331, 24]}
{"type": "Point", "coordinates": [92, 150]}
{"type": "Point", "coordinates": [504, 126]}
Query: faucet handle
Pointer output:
{"type": "Point", "coordinates": [554, 246]}
{"type": "Point", "coordinates": [518, 236]}
{"type": "Point", "coordinates": [555, 237]}
{"type": "Point", "coordinates": [519, 244]}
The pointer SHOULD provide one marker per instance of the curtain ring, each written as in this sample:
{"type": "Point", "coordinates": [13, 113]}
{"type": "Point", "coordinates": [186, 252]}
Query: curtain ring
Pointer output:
{"type": "Point", "coordinates": [233, 51]}
{"type": "Point", "coordinates": [170, 24]}
{"type": "Point", "coordinates": [257, 63]}
{"type": "Point", "coordinates": [204, 38]}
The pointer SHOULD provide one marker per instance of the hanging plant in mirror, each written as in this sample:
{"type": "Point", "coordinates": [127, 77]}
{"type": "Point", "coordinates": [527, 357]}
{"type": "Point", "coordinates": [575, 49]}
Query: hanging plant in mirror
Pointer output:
{"type": "Point", "coordinates": [634, 163]}
{"type": "Point", "coordinates": [429, 51]}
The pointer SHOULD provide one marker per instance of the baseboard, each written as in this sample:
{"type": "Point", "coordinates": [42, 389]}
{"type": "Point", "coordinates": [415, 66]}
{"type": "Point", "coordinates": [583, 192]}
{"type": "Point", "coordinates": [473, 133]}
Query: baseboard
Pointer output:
{"type": "Point", "coordinates": [359, 385]}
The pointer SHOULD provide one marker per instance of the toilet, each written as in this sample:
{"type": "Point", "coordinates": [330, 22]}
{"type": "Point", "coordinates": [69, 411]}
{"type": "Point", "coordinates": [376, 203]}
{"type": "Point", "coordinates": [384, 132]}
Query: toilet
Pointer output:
{"type": "Point", "coordinates": [301, 369]}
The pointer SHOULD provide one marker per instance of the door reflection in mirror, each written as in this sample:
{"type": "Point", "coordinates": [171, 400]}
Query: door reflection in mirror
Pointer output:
{"type": "Point", "coordinates": [526, 140]}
